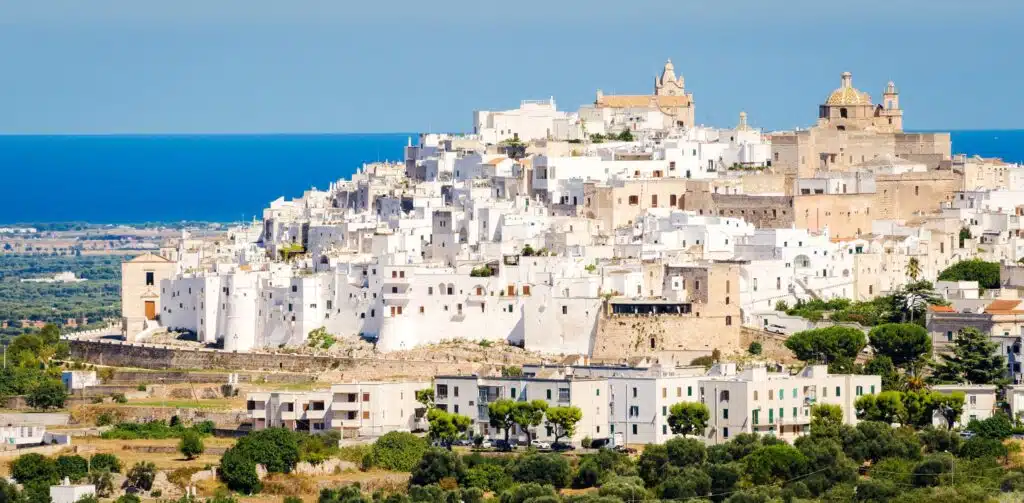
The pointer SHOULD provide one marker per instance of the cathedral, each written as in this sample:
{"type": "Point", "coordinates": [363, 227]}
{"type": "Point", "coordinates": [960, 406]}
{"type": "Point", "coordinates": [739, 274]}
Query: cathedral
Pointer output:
{"type": "Point", "coordinates": [851, 130]}
{"type": "Point", "coordinates": [669, 98]}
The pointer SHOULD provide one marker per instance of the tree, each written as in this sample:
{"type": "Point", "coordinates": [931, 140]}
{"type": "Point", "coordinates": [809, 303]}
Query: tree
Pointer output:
{"type": "Point", "coordinates": [903, 343]}
{"type": "Point", "coordinates": [985, 273]}
{"type": "Point", "coordinates": [684, 452]}
{"type": "Point", "coordinates": [755, 348]}
{"type": "Point", "coordinates": [103, 480]}
{"type": "Point", "coordinates": [886, 407]}
{"type": "Point", "coordinates": [499, 414]}
{"type": "Point", "coordinates": [688, 418]}
{"type": "Point", "coordinates": [191, 444]}
{"type": "Point", "coordinates": [29, 468]}
{"type": "Point", "coordinates": [529, 415]}
{"type": "Point", "coordinates": [775, 463]}
{"type": "Point", "coordinates": [9, 493]}
{"type": "Point", "coordinates": [141, 475]}
{"type": "Point", "coordinates": [446, 427]}
{"type": "Point", "coordinates": [625, 135]}
{"type": "Point", "coordinates": [426, 397]}
{"type": "Point", "coordinates": [975, 360]}
{"type": "Point", "coordinates": [965, 234]}
{"type": "Point", "coordinates": [435, 465]}
{"type": "Point", "coordinates": [913, 299]}
{"type": "Point", "coordinates": [551, 469]}
{"type": "Point", "coordinates": [826, 420]}
{"type": "Point", "coordinates": [127, 498]}
{"type": "Point", "coordinates": [396, 450]}
{"type": "Point", "coordinates": [913, 268]}
{"type": "Point", "coordinates": [826, 344]}
{"type": "Point", "coordinates": [238, 471]}
{"type": "Point", "coordinates": [49, 334]}
{"type": "Point", "coordinates": [48, 394]}
{"type": "Point", "coordinates": [881, 365]}
{"type": "Point", "coordinates": [107, 462]}
{"type": "Point", "coordinates": [652, 464]}
{"type": "Point", "coordinates": [73, 467]}
{"type": "Point", "coordinates": [563, 420]}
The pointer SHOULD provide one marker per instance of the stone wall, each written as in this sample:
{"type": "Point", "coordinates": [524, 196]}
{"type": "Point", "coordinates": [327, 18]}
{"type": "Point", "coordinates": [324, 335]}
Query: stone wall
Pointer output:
{"type": "Point", "coordinates": [151, 357]}
{"type": "Point", "coordinates": [676, 339]}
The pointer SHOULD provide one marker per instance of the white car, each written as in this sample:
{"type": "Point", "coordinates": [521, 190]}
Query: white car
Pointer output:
{"type": "Point", "coordinates": [540, 444]}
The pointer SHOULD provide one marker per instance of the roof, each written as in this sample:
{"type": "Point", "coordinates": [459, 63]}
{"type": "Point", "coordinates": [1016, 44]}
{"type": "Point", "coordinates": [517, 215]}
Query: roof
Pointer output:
{"type": "Point", "coordinates": [941, 309]}
{"type": "Point", "coordinates": [1003, 307]}
{"type": "Point", "coordinates": [642, 101]}
{"type": "Point", "coordinates": [496, 161]}
{"type": "Point", "coordinates": [148, 257]}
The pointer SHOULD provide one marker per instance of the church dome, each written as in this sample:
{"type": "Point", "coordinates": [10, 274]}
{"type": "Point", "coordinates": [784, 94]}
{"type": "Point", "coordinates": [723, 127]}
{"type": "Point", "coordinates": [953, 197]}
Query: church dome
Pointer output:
{"type": "Point", "coordinates": [847, 95]}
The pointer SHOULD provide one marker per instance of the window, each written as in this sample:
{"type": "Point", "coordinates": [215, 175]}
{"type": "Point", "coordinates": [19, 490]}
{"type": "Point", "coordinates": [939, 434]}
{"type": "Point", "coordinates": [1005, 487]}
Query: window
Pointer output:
{"type": "Point", "coordinates": [664, 410]}
{"type": "Point", "coordinates": [455, 391]}
{"type": "Point", "coordinates": [755, 394]}
{"type": "Point", "coordinates": [366, 414]}
{"type": "Point", "coordinates": [725, 432]}
{"type": "Point", "coordinates": [757, 414]}
{"type": "Point", "coordinates": [860, 390]}
{"type": "Point", "coordinates": [597, 392]}
{"type": "Point", "coordinates": [442, 391]}
{"type": "Point", "coordinates": [150, 278]}
{"type": "Point", "coordinates": [973, 400]}
{"type": "Point", "coordinates": [771, 394]}
{"type": "Point", "coordinates": [548, 395]}
{"type": "Point", "coordinates": [689, 391]}
{"type": "Point", "coordinates": [634, 429]}
{"type": "Point", "coordinates": [872, 389]}
{"type": "Point", "coordinates": [679, 392]}
{"type": "Point", "coordinates": [654, 200]}
{"type": "Point", "coordinates": [794, 392]}
{"type": "Point", "coordinates": [366, 396]}
{"type": "Point", "coordinates": [664, 429]}
{"type": "Point", "coordinates": [634, 200]}
{"type": "Point", "coordinates": [728, 320]}
{"type": "Point", "coordinates": [563, 395]}
{"type": "Point", "coordinates": [672, 200]}
{"type": "Point", "coordinates": [837, 390]}
{"type": "Point", "coordinates": [421, 309]}
{"type": "Point", "coordinates": [664, 392]}
{"type": "Point", "coordinates": [725, 413]}
{"type": "Point", "coordinates": [565, 309]}
{"type": "Point", "coordinates": [512, 392]}
{"type": "Point", "coordinates": [634, 392]}
{"type": "Point", "coordinates": [456, 409]}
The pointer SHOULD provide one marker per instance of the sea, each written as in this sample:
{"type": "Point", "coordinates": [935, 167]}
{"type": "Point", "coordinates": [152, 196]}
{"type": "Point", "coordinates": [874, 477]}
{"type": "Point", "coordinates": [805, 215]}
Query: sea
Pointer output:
{"type": "Point", "coordinates": [224, 178]}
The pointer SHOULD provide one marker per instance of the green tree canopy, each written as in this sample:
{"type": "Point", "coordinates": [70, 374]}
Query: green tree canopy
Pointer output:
{"type": "Point", "coordinates": [437, 464]}
{"type": "Point", "coordinates": [499, 414]}
{"type": "Point", "coordinates": [563, 420]}
{"type": "Point", "coordinates": [985, 273]}
{"type": "Point", "coordinates": [397, 450]}
{"type": "Point", "coordinates": [688, 418]}
{"type": "Point", "coordinates": [975, 360]}
{"type": "Point", "coordinates": [529, 415]}
{"type": "Point", "coordinates": [827, 344]}
{"type": "Point", "coordinates": [191, 444]}
{"type": "Point", "coordinates": [826, 420]}
{"type": "Point", "coordinates": [447, 427]}
{"type": "Point", "coordinates": [903, 343]}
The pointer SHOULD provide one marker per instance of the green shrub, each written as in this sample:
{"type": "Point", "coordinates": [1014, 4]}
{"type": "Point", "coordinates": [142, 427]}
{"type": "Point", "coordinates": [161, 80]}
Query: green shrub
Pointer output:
{"type": "Point", "coordinates": [437, 464]}
{"type": "Point", "coordinates": [107, 462]}
{"type": "Point", "coordinates": [191, 445]}
{"type": "Point", "coordinates": [397, 451]}
{"type": "Point", "coordinates": [754, 348]}
{"type": "Point", "coordinates": [29, 468]}
{"type": "Point", "coordinates": [141, 475]}
{"type": "Point", "coordinates": [105, 419]}
{"type": "Point", "coordinates": [550, 469]}
{"type": "Point", "coordinates": [981, 447]}
{"type": "Point", "coordinates": [73, 467]}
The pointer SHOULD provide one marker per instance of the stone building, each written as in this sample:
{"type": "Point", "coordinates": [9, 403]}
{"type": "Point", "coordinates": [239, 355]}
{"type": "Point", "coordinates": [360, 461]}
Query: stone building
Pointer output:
{"type": "Point", "coordinates": [851, 130]}
{"type": "Point", "coordinates": [670, 105]}
{"type": "Point", "coordinates": [140, 291]}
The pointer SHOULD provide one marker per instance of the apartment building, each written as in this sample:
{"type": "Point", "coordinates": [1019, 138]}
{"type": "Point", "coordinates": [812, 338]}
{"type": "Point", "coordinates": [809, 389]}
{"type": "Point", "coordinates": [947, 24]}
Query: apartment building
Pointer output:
{"type": "Point", "coordinates": [638, 406]}
{"type": "Point", "coordinates": [356, 409]}
{"type": "Point", "coordinates": [759, 401]}
{"type": "Point", "coordinates": [979, 402]}
{"type": "Point", "coordinates": [471, 395]}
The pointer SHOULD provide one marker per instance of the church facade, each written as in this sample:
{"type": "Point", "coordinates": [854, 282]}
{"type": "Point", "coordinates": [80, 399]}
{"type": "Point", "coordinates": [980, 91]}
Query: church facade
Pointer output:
{"type": "Point", "coordinates": [850, 130]}
{"type": "Point", "coordinates": [669, 106]}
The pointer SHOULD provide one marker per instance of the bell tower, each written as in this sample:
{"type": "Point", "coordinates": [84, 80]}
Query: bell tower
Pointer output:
{"type": "Point", "coordinates": [891, 110]}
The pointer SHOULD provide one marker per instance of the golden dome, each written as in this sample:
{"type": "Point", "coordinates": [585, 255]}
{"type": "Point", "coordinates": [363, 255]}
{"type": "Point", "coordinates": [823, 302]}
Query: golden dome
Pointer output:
{"type": "Point", "coordinates": [847, 95]}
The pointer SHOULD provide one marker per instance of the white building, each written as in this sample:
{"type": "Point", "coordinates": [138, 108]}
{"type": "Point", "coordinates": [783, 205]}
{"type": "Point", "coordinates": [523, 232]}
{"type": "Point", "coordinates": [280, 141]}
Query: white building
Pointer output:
{"type": "Point", "coordinates": [67, 492]}
{"type": "Point", "coordinates": [78, 379]}
{"type": "Point", "coordinates": [979, 402]}
{"type": "Point", "coordinates": [470, 396]}
{"type": "Point", "coordinates": [533, 120]}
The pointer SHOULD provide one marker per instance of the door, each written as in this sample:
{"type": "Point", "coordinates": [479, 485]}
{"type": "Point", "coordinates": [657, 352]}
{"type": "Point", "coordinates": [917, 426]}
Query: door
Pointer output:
{"type": "Point", "coordinates": [150, 310]}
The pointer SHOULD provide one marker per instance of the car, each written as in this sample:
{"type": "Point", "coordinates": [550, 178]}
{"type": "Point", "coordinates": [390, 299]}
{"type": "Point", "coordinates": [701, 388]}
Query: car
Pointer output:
{"type": "Point", "coordinates": [504, 445]}
{"type": "Point", "coordinates": [967, 434]}
{"type": "Point", "coordinates": [558, 446]}
{"type": "Point", "coordinates": [539, 444]}
{"type": "Point", "coordinates": [598, 443]}
{"type": "Point", "coordinates": [463, 442]}
{"type": "Point", "coordinates": [625, 450]}
{"type": "Point", "coordinates": [486, 444]}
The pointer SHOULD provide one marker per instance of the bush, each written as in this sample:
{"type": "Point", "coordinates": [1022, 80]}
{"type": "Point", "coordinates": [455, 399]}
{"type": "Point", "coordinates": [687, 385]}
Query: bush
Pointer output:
{"type": "Point", "coordinates": [107, 462]}
{"type": "Point", "coordinates": [74, 468]}
{"type": "Point", "coordinates": [550, 469]}
{"type": "Point", "coordinates": [105, 419]}
{"type": "Point", "coordinates": [397, 451]}
{"type": "Point", "coordinates": [48, 394]}
{"type": "Point", "coordinates": [586, 442]}
{"type": "Point", "coordinates": [689, 483]}
{"type": "Point", "coordinates": [191, 445]}
{"type": "Point", "coordinates": [29, 468]}
{"type": "Point", "coordinates": [119, 398]}
{"type": "Point", "coordinates": [998, 427]}
{"type": "Point", "coordinates": [141, 475]}
{"type": "Point", "coordinates": [754, 348]}
{"type": "Point", "coordinates": [435, 465]}
{"type": "Point", "coordinates": [238, 471]}
{"type": "Point", "coordinates": [128, 498]}
{"type": "Point", "coordinates": [533, 492]}
{"type": "Point", "coordinates": [981, 447]}
{"type": "Point", "coordinates": [489, 477]}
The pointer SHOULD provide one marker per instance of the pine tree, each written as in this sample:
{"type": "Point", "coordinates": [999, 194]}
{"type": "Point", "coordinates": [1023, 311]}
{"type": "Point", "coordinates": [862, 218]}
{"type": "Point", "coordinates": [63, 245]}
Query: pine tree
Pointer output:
{"type": "Point", "coordinates": [975, 360]}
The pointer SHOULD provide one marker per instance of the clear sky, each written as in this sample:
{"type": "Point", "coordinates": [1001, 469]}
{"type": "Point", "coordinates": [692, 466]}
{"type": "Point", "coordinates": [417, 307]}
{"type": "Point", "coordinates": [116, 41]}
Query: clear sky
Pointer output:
{"type": "Point", "coordinates": [235, 66]}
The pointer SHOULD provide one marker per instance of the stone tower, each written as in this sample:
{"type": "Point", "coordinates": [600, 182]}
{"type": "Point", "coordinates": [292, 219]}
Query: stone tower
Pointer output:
{"type": "Point", "coordinates": [668, 84]}
{"type": "Point", "coordinates": [891, 107]}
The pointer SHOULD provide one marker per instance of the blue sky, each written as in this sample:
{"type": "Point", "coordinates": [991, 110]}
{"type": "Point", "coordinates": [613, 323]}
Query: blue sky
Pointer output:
{"type": "Point", "coordinates": [234, 66]}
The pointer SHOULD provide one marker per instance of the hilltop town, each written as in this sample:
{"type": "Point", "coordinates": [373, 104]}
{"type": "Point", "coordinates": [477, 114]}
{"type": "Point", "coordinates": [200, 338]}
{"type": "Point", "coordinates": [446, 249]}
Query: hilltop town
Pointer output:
{"type": "Point", "coordinates": [633, 302]}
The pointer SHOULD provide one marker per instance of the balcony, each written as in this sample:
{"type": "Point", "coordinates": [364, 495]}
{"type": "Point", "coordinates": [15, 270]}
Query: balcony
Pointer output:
{"type": "Point", "coordinates": [257, 413]}
{"type": "Point", "coordinates": [345, 405]}
{"type": "Point", "coordinates": [399, 297]}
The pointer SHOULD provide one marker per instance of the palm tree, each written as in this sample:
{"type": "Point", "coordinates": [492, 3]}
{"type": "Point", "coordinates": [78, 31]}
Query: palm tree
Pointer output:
{"type": "Point", "coordinates": [913, 268]}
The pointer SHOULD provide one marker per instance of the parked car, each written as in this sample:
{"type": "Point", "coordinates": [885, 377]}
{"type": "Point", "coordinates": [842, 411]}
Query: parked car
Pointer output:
{"type": "Point", "coordinates": [625, 450]}
{"type": "Point", "coordinates": [559, 446]}
{"type": "Point", "coordinates": [486, 444]}
{"type": "Point", "coordinates": [464, 442]}
{"type": "Point", "coordinates": [503, 445]}
{"type": "Point", "coordinates": [598, 443]}
{"type": "Point", "coordinates": [539, 444]}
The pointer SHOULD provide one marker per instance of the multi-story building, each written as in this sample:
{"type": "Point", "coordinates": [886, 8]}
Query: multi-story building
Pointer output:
{"type": "Point", "coordinates": [758, 401]}
{"type": "Point", "coordinates": [979, 402]}
{"type": "Point", "coordinates": [471, 395]}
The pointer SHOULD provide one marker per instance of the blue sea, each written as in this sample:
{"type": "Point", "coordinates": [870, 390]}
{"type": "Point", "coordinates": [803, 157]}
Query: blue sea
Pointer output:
{"type": "Point", "coordinates": [134, 179]}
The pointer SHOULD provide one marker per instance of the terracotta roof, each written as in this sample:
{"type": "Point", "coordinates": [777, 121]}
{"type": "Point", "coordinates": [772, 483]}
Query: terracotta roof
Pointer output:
{"type": "Point", "coordinates": [1002, 307]}
{"type": "Point", "coordinates": [941, 309]}
{"type": "Point", "coordinates": [642, 101]}
{"type": "Point", "coordinates": [496, 161]}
